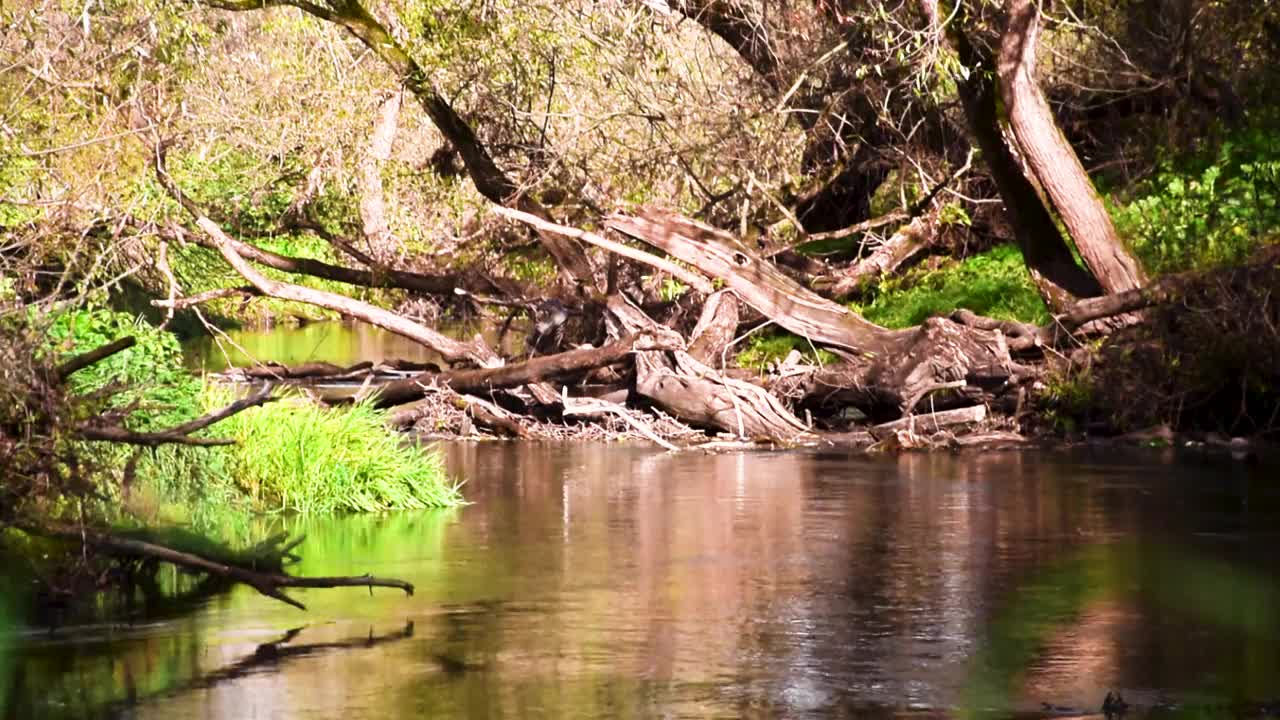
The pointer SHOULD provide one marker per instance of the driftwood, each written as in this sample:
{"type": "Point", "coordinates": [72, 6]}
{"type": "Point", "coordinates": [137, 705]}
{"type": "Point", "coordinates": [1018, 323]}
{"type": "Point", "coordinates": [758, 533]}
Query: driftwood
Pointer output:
{"type": "Point", "coordinates": [698, 394]}
{"type": "Point", "coordinates": [756, 280]}
{"type": "Point", "coordinates": [276, 371]}
{"type": "Point", "coordinates": [931, 422]}
{"type": "Point", "coordinates": [529, 372]}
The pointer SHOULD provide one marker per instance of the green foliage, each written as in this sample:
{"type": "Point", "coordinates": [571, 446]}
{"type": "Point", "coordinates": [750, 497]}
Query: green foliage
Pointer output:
{"type": "Point", "coordinates": [770, 347]}
{"type": "Point", "coordinates": [531, 268]}
{"type": "Point", "coordinates": [1209, 208]}
{"type": "Point", "coordinates": [290, 456]}
{"type": "Point", "coordinates": [994, 283]}
{"type": "Point", "coordinates": [150, 373]}
{"type": "Point", "coordinates": [293, 455]}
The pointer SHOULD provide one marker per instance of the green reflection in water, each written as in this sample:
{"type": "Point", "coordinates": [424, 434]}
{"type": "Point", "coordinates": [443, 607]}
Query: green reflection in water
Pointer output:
{"type": "Point", "coordinates": [333, 342]}
{"type": "Point", "coordinates": [316, 342]}
{"type": "Point", "coordinates": [1204, 591]}
{"type": "Point", "coordinates": [89, 670]}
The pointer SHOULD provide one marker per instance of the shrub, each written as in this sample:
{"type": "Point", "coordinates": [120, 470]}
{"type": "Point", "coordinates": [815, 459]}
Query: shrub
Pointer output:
{"type": "Point", "coordinates": [1207, 209]}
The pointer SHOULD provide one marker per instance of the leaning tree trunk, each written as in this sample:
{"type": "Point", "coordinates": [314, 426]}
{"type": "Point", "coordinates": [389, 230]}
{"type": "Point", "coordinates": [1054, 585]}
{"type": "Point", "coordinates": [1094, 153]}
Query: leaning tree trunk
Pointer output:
{"type": "Point", "coordinates": [1059, 280]}
{"type": "Point", "coordinates": [1052, 160]}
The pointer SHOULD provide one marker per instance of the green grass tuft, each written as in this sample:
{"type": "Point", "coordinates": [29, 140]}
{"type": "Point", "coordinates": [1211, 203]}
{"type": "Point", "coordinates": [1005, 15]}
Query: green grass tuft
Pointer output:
{"type": "Point", "coordinates": [994, 283]}
{"type": "Point", "coordinates": [294, 456]}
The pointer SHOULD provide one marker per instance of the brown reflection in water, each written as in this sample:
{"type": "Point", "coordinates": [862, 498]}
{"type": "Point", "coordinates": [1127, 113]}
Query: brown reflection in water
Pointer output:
{"type": "Point", "coordinates": [593, 581]}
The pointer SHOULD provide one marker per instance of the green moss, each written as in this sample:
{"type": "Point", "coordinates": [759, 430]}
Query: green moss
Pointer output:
{"type": "Point", "coordinates": [994, 283]}
{"type": "Point", "coordinates": [770, 347]}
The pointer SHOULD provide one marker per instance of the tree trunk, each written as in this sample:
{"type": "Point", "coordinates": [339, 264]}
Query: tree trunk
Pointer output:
{"type": "Point", "coordinates": [373, 207]}
{"type": "Point", "coordinates": [757, 281]}
{"type": "Point", "coordinates": [1058, 278]}
{"type": "Point", "coordinates": [1051, 159]}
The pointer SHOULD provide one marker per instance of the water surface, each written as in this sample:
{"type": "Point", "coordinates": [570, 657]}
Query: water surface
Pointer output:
{"type": "Point", "coordinates": [605, 581]}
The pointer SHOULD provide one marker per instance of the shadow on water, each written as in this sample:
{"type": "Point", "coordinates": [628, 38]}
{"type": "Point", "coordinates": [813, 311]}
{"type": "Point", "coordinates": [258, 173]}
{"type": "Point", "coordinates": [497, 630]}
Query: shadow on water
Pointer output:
{"type": "Point", "coordinates": [608, 581]}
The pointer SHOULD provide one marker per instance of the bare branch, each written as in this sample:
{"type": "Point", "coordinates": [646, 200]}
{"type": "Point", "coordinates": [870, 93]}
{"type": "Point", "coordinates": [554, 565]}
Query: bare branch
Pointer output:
{"type": "Point", "coordinates": [180, 434]}
{"type": "Point", "coordinates": [80, 362]}
{"type": "Point", "coordinates": [692, 279]}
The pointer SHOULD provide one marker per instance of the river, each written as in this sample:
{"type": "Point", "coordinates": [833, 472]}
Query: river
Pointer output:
{"type": "Point", "coordinates": [590, 581]}
{"type": "Point", "coordinates": [593, 580]}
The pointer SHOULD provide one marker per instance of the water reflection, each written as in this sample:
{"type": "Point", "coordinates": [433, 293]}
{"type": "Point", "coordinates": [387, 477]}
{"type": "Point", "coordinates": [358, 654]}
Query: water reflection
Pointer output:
{"type": "Point", "coordinates": [339, 343]}
{"type": "Point", "coordinates": [590, 581]}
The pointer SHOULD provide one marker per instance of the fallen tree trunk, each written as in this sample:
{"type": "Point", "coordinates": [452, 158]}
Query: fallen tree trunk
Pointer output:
{"type": "Point", "coordinates": [695, 393]}
{"type": "Point", "coordinates": [757, 281]}
{"type": "Point", "coordinates": [528, 372]}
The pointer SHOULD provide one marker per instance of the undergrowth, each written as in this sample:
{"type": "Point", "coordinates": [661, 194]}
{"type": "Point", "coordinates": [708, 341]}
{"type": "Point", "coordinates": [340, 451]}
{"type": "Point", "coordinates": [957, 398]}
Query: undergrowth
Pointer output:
{"type": "Point", "coordinates": [290, 455]}
{"type": "Point", "coordinates": [770, 347]}
{"type": "Point", "coordinates": [994, 283]}
{"type": "Point", "coordinates": [1207, 208]}
{"type": "Point", "coordinates": [295, 456]}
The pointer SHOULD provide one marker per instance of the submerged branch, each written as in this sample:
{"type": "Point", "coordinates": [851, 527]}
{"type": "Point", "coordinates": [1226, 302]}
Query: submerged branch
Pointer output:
{"type": "Point", "coordinates": [270, 584]}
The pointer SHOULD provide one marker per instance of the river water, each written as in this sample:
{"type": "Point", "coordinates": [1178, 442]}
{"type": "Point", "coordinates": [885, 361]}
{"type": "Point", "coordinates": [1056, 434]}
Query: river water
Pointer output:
{"type": "Point", "coordinates": [590, 581]}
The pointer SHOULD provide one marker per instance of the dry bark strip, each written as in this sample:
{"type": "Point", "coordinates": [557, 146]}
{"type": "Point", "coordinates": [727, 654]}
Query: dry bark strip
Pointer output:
{"type": "Point", "coordinates": [270, 584]}
{"type": "Point", "coordinates": [715, 329]}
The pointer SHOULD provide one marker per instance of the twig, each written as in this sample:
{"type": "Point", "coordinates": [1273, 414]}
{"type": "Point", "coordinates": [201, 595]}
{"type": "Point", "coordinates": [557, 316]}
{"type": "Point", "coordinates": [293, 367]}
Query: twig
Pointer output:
{"type": "Point", "coordinates": [267, 583]}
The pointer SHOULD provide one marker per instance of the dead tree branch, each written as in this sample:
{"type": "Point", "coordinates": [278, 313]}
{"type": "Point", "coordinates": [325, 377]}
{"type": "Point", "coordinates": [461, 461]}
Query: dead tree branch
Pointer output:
{"type": "Point", "coordinates": [270, 584]}
{"type": "Point", "coordinates": [84, 360]}
{"type": "Point", "coordinates": [180, 434]}
{"type": "Point", "coordinates": [525, 373]}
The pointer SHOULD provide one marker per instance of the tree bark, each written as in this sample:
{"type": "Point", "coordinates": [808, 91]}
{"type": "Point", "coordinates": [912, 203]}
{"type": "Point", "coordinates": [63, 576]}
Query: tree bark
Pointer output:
{"type": "Point", "coordinates": [1053, 269]}
{"type": "Point", "coordinates": [715, 328]}
{"type": "Point", "coordinates": [730, 21]}
{"type": "Point", "coordinates": [757, 281]}
{"type": "Point", "coordinates": [373, 207]}
{"type": "Point", "coordinates": [538, 369]}
{"type": "Point", "coordinates": [698, 394]}
{"type": "Point", "coordinates": [1052, 160]}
